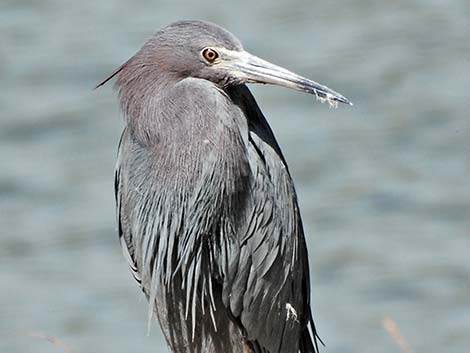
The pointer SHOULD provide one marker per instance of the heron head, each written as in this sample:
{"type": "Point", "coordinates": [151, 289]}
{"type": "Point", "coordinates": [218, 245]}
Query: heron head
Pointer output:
{"type": "Point", "coordinates": [204, 50]}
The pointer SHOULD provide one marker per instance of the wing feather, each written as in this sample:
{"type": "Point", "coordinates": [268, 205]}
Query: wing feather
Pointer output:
{"type": "Point", "coordinates": [275, 310]}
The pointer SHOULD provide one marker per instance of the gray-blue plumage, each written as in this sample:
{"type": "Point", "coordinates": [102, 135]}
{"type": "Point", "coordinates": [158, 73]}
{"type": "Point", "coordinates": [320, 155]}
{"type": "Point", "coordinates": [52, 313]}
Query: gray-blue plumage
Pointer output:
{"type": "Point", "coordinates": [207, 211]}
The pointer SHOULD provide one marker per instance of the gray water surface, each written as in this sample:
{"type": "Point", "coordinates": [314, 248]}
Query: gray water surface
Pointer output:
{"type": "Point", "coordinates": [384, 186]}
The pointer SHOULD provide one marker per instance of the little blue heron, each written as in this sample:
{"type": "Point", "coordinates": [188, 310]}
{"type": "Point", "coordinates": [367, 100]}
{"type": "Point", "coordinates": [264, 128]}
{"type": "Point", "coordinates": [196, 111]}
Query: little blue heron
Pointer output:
{"type": "Point", "coordinates": [207, 211]}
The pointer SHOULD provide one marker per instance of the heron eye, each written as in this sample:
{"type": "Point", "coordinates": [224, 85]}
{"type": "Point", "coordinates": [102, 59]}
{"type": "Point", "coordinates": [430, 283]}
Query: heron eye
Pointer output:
{"type": "Point", "coordinates": [210, 55]}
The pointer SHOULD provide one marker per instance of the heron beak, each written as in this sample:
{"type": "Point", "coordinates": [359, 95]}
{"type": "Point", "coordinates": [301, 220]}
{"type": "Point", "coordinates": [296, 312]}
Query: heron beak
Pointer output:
{"type": "Point", "coordinates": [250, 68]}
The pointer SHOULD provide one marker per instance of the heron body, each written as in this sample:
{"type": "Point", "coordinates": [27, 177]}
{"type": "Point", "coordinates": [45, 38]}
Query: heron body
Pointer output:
{"type": "Point", "coordinates": [207, 211]}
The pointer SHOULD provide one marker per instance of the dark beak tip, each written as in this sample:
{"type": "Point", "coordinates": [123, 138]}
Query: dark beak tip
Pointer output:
{"type": "Point", "coordinates": [344, 100]}
{"type": "Point", "coordinates": [348, 102]}
{"type": "Point", "coordinates": [333, 101]}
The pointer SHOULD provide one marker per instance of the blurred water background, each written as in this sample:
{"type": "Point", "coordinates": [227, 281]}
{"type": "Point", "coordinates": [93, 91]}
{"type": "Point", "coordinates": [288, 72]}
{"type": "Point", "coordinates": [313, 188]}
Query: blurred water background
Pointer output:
{"type": "Point", "coordinates": [384, 186]}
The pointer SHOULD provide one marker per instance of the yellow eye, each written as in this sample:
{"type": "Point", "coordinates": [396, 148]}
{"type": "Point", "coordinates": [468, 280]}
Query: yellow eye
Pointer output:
{"type": "Point", "coordinates": [210, 55]}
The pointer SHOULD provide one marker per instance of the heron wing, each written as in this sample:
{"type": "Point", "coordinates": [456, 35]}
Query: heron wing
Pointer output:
{"type": "Point", "coordinates": [125, 236]}
{"type": "Point", "coordinates": [269, 289]}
